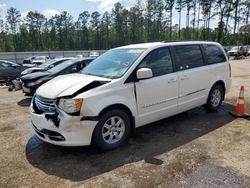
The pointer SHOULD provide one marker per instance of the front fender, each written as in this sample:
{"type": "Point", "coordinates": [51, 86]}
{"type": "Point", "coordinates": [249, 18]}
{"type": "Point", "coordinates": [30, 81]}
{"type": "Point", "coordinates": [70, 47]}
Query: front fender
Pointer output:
{"type": "Point", "coordinates": [94, 104]}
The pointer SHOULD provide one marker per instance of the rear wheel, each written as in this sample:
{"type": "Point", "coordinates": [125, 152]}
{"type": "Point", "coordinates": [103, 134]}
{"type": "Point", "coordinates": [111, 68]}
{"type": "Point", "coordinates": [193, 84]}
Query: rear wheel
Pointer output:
{"type": "Point", "coordinates": [112, 130]}
{"type": "Point", "coordinates": [215, 98]}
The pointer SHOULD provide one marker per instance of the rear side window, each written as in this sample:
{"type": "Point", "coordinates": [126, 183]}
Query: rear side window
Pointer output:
{"type": "Point", "coordinates": [214, 54]}
{"type": "Point", "coordinates": [188, 56]}
{"type": "Point", "coordinates": [5, 65]}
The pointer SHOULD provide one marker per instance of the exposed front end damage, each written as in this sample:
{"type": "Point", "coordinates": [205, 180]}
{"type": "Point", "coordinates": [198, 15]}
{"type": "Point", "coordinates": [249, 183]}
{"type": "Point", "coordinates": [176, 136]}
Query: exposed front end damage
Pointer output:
{"type": "Point", "coordinates": [51, 124]}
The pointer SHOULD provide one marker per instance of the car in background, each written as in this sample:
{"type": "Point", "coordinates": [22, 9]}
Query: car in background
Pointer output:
{"type": "Point", "coordinates": [91, 54]}
{"type": "Point", "coordinates": [247, 50]}
{"type": "Point", "coordinates": [237, 51]}
{"type": "Point", "coordinates": [40, 60]}
{"type": "Point", "coordinates": [35, 60]}
{"type": "Point", "coordinates": [10, 71]}
{"type": "Point", "coordinates": [79, 56]}
{"type": "Point", "coordinates": [46, 66]}
{"type": "Point", "coordinates": [94, 54]}
{"type": "Point", "coordinates": [31, 82]}
{"type": "Point", "coordinates": [28, 60]}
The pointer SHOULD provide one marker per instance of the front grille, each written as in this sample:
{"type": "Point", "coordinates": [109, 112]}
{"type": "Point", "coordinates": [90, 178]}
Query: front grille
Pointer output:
{"type": "Point", "coordinates": [45, 105]}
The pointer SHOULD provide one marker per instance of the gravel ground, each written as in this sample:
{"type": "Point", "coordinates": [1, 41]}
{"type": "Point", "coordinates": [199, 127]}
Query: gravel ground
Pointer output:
{"type": "Point", "coordinates": [192, 149]}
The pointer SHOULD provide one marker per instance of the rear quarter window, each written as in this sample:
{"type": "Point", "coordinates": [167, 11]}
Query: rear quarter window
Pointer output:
{"type": "Point", "coordinates": [214, 54]}
{"type": "Point", "coordinates": [188, 56]}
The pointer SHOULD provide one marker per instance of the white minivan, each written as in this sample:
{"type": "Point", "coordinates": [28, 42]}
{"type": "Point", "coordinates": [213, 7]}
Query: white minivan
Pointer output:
{"type": "Point", "coordinates": [128, 87]}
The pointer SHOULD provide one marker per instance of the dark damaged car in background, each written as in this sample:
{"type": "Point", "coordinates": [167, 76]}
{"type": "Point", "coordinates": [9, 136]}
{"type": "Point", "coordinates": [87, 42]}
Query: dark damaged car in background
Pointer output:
{"type": "Point", "coordinates": [31, 82]}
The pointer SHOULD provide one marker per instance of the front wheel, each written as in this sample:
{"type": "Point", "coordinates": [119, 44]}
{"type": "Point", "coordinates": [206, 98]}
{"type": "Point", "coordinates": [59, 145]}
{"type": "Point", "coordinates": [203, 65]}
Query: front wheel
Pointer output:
{"type": "Point", "coordinates": [112, 130]}
{"type": "Point", "coordinates": [215, 98]}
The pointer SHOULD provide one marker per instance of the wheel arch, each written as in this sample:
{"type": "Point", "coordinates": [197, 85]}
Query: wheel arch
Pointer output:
{"type": "Point", "coordinates": [123, 108]}
{"type": "Point", "coordinates": [222, 84]}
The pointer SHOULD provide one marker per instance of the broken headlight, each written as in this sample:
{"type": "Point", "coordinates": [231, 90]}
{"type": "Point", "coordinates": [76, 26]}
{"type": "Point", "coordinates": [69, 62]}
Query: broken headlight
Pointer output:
{"type": "Point", "coordinates": [70, 105]}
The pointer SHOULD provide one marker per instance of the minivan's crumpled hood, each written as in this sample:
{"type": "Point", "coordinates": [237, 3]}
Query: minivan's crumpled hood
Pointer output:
{"type": "Point", "coordinates": [67, 85]}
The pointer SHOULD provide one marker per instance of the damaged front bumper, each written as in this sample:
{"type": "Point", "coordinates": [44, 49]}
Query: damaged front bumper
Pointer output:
{"type": "Point", "coordinates": [29, 91]}
{"type": "Point", "coordinates": [61, 128]}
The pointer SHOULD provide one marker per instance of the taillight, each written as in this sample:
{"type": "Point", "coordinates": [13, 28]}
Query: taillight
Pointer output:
{"type": "Point", "coordinates": [229, 70]}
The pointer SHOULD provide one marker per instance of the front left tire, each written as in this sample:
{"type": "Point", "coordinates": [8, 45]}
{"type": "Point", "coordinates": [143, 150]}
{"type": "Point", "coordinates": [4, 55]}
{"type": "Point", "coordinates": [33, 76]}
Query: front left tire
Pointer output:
{"type": "Point", "coordinates": [112, 130]}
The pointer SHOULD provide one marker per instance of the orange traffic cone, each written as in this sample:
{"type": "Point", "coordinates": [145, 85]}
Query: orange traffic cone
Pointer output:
{"type": "Point", "coordinates": [240, 106]}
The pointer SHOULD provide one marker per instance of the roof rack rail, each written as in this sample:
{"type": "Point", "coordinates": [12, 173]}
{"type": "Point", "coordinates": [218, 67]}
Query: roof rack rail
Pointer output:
{"type": "Point", "coordinates": [166, 41]}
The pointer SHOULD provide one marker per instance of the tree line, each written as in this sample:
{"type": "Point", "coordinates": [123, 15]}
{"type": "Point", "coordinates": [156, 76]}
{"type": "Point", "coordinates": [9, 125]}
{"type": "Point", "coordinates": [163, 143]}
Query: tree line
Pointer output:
{"type": "Point", "coordinates": [146, 21]}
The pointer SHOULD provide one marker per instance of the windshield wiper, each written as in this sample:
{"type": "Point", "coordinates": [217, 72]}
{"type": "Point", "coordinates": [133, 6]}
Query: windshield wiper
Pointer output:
{"type": "Point", "coordinates": [90, 74]}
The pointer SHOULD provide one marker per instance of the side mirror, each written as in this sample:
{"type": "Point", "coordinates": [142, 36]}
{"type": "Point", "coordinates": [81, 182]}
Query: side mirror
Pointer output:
{"type": "Point", "coordinates": [144, 73]}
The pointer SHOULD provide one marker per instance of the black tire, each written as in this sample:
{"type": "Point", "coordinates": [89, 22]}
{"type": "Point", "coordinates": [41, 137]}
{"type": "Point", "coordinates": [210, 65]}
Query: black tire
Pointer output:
{"type": "Point", "coordinates": [98, 132]}
{"type": "Point", "coordinates": [11, 87]}
{"type": "Point", "coordinates": [211, 105]}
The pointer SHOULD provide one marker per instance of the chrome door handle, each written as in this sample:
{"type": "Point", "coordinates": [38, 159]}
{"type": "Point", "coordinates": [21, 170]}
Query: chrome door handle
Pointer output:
{"type": "Point", "coordinates": [172, 80]}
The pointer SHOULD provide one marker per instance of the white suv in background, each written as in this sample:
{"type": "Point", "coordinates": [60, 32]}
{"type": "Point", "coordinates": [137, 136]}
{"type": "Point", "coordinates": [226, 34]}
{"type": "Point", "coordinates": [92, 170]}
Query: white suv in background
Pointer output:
{"type": "Point", "coordinates": [128, 87]}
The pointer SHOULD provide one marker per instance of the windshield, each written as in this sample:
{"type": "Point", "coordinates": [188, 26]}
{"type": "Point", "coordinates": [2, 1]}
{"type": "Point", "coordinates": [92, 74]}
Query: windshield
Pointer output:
{"type": "Point", "coordinates": [46, 65]}
{"type": "Point", "coordinates": [62, 66]}
{"type": "Point", "coordinates": [12, 64]}
{"type": "Point", "coordinates": [114, 63]}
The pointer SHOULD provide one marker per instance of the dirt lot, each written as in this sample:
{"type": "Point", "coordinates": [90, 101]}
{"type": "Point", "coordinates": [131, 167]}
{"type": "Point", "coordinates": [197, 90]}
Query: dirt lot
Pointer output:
{"type": "Point", "coordinates": [193, 149]}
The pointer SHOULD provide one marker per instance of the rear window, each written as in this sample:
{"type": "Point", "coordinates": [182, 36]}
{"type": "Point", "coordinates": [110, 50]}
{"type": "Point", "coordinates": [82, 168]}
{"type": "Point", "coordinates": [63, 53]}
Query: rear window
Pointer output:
{"type": "Point", "coordinates": [214, 54]}
{"type": "Point", "coordinates": [188, 56]}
